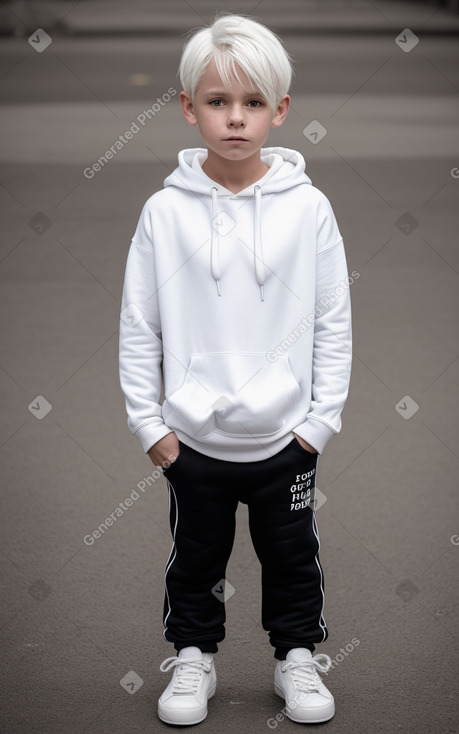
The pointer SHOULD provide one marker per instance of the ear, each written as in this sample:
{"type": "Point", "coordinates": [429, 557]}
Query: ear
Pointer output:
{"type": "Point", "coordinates": [187, 108]}
{"type": "Point", "coordinates": [281, 112]}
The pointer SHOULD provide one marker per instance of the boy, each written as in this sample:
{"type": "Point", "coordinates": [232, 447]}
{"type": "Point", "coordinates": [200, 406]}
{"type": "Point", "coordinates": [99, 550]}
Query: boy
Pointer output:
{"type": "Point", "coordinates": [235, 290]}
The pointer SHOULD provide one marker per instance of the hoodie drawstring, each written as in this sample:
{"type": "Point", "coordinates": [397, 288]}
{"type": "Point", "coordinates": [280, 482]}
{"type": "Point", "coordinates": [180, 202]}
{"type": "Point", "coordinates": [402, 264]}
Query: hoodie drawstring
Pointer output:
{"type": "Point", "coordinates": [257, 250]}
{"type": "Point", "coordinates": [215, 242]}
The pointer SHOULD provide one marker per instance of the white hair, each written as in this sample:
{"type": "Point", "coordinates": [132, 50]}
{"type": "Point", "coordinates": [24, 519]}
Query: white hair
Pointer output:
{"type": "Point", "coordinates": [235, 39]}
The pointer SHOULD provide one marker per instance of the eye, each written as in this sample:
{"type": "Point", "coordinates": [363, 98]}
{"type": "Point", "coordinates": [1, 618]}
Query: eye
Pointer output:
{"type": "Point", "coordinates": [254, 103]}
{"type": "Point", "coordinates": [216, 102]}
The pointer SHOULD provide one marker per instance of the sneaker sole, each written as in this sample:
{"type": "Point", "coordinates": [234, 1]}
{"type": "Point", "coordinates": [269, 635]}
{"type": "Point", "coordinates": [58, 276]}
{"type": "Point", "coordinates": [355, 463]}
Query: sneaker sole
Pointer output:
{"type": "Point", "coordinates": [184, 717]}
{"type": "Point", "coordinates": [310, 717]}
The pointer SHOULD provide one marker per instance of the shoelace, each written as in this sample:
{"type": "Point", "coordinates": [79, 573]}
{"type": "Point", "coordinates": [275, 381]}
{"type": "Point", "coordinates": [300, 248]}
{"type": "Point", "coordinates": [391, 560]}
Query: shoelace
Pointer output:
{"type": "Point", "coordinates": [188, 673]}
{"type": "Point", "coordinates": [304, 673]}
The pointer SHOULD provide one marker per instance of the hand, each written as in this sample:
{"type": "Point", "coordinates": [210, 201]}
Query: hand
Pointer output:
{"type": "Point", "coordinates": [165, 451]}
{"type": "Point", "coordinates": [305, 444]}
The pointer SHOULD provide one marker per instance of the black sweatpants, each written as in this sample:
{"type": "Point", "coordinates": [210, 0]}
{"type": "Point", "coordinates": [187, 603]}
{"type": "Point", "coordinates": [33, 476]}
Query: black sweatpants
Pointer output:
{"type": "Point", "coordinates": [203, 498]}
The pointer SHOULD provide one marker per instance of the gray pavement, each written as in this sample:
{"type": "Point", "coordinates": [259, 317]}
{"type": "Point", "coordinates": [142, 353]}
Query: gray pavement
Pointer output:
{"type": "Point", "coordinates": [80, 624]}
{"type": "Point", "coordinates": [172, 17]}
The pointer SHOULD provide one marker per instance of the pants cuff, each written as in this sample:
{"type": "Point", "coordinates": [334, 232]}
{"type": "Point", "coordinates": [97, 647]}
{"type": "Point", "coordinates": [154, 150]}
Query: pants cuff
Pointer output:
{"type": "Point", "coordinates": [280, 653]}
{"type": "Point", "coordinates": [203, 646]}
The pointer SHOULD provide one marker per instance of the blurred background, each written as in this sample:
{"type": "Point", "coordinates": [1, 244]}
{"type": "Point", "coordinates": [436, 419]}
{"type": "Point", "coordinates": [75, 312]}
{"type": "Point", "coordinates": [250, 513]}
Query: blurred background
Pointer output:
{"type": "Point", "coordinates": [375, 114]}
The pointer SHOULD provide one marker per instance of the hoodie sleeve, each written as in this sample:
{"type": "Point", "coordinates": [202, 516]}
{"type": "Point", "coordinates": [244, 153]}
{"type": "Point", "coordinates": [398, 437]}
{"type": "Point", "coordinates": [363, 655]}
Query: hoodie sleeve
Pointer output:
{"type": "Point", "coordinates": [140, 344]}
{"type": "Point", "coordinates": [332, 351]}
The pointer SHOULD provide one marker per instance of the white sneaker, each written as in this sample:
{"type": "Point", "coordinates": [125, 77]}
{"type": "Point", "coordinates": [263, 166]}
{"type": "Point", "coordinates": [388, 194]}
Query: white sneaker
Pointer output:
{"type": "Point", "coordinates": [296, 680]}
{"type": "Point", "coordinates": [193, 682]}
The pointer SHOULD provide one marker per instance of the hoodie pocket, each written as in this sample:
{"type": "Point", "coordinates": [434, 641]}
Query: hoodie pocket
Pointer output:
{"type": "Point", "coordinates": [241, 395]}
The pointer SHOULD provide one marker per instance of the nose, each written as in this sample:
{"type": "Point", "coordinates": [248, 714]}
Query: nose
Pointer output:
{"type": "Point", "coordinates": [236, 117]}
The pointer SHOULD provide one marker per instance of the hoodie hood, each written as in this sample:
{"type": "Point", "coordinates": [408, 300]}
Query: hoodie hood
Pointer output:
{"type": "Point", "coordinates": [286, 170]}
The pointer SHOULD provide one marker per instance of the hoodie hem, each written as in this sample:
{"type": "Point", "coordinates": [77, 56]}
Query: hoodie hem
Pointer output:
{"type": "Point", "coordinates": [239, 453]}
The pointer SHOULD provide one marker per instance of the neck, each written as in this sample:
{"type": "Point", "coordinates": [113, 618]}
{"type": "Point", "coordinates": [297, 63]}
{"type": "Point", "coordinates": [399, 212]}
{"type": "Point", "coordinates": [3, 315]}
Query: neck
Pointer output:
{"type": "Point", "coordinates": [234, 175]}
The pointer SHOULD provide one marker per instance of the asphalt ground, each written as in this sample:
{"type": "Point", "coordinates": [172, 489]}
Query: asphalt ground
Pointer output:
{"type": "Point", "coordinates": [80, 623]}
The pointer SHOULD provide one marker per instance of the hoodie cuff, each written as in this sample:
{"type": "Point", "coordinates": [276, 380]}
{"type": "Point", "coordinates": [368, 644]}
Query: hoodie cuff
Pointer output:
{"type": "Point", "coordinates": [315, 433]}
{"type": "Point", "coordinates": [151, 433]}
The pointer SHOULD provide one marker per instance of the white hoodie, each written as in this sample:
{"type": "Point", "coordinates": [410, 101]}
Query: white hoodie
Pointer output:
{"type": "Point", "coordinates": [242, 302]}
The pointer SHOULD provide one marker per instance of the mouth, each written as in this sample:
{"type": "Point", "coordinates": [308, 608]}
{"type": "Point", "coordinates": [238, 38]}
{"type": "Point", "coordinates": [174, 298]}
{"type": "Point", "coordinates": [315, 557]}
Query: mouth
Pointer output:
{"type": "Point", "coordinates": [236, 137]}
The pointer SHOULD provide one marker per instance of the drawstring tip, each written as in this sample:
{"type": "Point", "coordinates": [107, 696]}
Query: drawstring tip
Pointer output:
{"type": "Point", "coordinates": [218, 287]}
{"type": "Point", "coordinates": [262, 294]}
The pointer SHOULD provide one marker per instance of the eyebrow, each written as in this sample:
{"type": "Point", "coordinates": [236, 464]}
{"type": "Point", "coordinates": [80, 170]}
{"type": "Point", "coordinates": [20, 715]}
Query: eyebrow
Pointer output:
{"type": "Point", "coordinates": [223, 92]}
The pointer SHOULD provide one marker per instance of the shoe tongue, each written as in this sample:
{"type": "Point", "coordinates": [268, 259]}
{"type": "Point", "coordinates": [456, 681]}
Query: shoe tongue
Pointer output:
{"type": "Point", "coordinates": [298, 655]}
{"type": "Point", "coordinates": [190, 653]}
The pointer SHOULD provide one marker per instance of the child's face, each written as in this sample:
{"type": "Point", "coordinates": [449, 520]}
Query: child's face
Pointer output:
{"type": "Point", "coordinates": [222, 115]}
